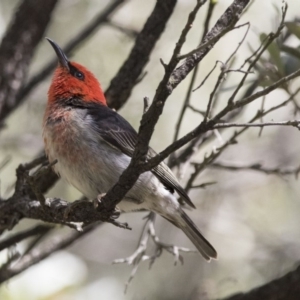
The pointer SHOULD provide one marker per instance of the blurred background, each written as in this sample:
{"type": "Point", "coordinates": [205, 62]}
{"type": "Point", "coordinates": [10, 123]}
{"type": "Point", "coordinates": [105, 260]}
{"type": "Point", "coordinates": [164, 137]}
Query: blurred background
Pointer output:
{"type": "Point", "coordinates": [251, 218]}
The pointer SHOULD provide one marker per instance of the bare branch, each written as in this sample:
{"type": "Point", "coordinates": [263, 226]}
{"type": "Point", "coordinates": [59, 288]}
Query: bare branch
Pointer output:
{"type": "Point", "coordinates": [256, 167]}
{"type": "Point", "coordinates": [202, 128]}
{"type": "Point", "coordinates": [17, 49]}
{"type": "Point", "coordinates": [284, 288]}
{"type": "Point", "coordinates": [209, 42]}
{"type": "Point", "coordinates": [140, 253]}
{"type": "Point", "coordinates": [203, 185]}
{"type": "Point", "coordinates": [123, 83]}
{"type": "Point", "coordinates": [74, 43]}
{"type": "Point", "coordinates": [171, 79]}
{"type": "Point", "coordinates": [45, 250]}
{"type": "Point", "coordinates": [259, 52]}
{"type": "Point", "coordinates": [128, 31]}
{"type": "Point", "coordinates": [4, 162]}
{"type": "Point", "coordinates": [294, 123]}
{"type": "Point", "coordinates": [224, 71]}
{"type": "Point", "coordinates": [54, 211]}
{"type": "Point", "coordinates": [20, 236]}
{"type": "Point", "coordinates": [186, 103]}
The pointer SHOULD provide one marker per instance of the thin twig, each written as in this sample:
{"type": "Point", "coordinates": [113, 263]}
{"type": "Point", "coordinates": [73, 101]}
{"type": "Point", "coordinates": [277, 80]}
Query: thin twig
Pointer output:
{"type": "Point", "coordinates": [270, 38]}
{"type": "Point", "coordinates": [70, 46]}
{"type": "Point", "coordinates": [208, 43]}
{"type": "Point", "coordinates": [294, 123]}
{"type": "Point", "coordinates": [5, 161]}
{"type": "Point", "coordinates": [127, 77]}
{"type": "Point", "coordinates": [20, 236]}
{"type": "Point", "coordinates": [209, 159]}
{"type": "Point", "coordinates": [256, 167]}
{"type": "Point", "coordinates": [192, 82]}
{"type": "Point", "coordinates": [17, 48]}
{"type": "Point", "coordinates": [128, 31]}
{"type": "Point", "coordinates": [190, 88]}
{"type": "Point", "coordinates": [46, 249]}
{"type": "Point", "coordinates": [224, 71]}
{"type": "Point", "coordinates": [128, 177]}
{"type": "Point", "coordinates": [202, 128]}
{"type": "Point", "coordinates": [140, 253]}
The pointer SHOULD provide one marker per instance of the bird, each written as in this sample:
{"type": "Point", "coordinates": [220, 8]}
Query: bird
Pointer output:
{"type": "Point", "coordinates": [93, 145]}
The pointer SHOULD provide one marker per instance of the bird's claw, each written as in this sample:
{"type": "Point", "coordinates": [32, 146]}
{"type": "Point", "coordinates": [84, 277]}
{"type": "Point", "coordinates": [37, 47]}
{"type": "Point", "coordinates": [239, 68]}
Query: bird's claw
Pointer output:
{"type": "Point", "coordinates": [110, 214]}
{"type": "Point", "coordinates": [98, 200]}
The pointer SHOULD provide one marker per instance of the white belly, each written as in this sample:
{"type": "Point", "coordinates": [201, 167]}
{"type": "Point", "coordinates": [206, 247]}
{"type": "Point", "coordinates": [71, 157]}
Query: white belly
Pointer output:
{"type": "Point", "coordinates": [93, 166]}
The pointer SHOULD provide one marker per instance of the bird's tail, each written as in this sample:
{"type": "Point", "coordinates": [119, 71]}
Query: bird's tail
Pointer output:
{"type": "Point", "coordinates": [193, 233]}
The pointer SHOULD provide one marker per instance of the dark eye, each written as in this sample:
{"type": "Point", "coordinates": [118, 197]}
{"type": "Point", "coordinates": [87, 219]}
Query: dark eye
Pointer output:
{"type": "Point", "coordinates": [79, 75]}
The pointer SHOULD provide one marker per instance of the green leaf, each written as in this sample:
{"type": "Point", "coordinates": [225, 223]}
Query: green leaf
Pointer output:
{"type": "Point", "coordinates": [291, 50]}
{"type": "Point", "coordinates": [274, 52]}
{"type": "Point", "coordinates": [294, 28]}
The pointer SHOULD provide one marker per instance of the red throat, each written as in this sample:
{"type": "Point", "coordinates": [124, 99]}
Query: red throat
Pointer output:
{"type": "Point", "coordinates": [64, 86]}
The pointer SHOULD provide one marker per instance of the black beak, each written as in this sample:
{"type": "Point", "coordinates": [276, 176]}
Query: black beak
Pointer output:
{"type": "Point", "coordinates": [62, 58]}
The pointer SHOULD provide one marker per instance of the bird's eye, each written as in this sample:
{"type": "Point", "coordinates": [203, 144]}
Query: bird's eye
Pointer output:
{"type": "Point", "coordinates": [79, 75]}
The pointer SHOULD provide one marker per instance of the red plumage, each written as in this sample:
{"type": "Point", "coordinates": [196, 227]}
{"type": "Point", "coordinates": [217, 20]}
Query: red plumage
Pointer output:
{"type": "Point", "coordinates": [65, 85]}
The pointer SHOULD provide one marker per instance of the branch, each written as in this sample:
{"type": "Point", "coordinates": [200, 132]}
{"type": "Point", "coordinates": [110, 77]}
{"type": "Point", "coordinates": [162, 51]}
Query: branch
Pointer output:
{"type": "Point", "coordinates": [74, 43]}
{"type": "Point", "coordinates": [132, 33]}
{"type": "Point", "coordinates": [20, 206]}
{"type": "Point", "coordinates": [284, 288]}
{"type": "Point", "coordinates": [17, 49]}
{"type": "Point", "coordinates": [224, 70]}
{"type": "Point", "coordinates": [187, 99]}
{"type": "Point", "coordinates": [208, 43]}
{"type": "Point", "coordinates": [20, 236]}
{"type": "Point", "coordinates": [28, 202]}
{"type": "Point", "coordinates": [123, 83]}
{"type": "Point", "coordinates": [170, 80]}
{"type": "Point", "coordinates": [209, 159]}
{"type": "Point", "coordinates": [37, 254]}
{"type": "Point", "coordinates": [140, 255]}
{"type": "Point", "coordinates": [54, 211]}
{"type": "Point", "coordinates": [210, 125]}
{"type": "Point", "coordinates": [293, 123]}
{"type": "Point", "coordinates": [257, 54]}
{"type": "Point", "coordinates": [256, 167]}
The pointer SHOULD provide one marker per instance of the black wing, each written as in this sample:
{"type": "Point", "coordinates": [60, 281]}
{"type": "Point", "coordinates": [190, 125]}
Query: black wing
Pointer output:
{"type": "Point", "coordinates": [115, 130]}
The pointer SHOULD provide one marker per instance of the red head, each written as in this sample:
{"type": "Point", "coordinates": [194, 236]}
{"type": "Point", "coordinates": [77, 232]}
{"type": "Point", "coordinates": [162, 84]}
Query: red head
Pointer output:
{"type": "Point", "coordinates": [72, 79]}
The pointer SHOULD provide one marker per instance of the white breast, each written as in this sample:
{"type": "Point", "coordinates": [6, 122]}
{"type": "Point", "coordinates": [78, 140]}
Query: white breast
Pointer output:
{"type": "Point", "coordinates": [93, 166]}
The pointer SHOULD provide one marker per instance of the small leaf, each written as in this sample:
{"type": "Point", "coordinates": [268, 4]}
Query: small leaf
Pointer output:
{"type": "Point", "coordinates": [294, 28]}
{"type": "Point", "coordinates": [291, 63]}
{"type": "Point", "coordinates": [274, 52]}
{"type": "Point", "coordinates": [291, 50]}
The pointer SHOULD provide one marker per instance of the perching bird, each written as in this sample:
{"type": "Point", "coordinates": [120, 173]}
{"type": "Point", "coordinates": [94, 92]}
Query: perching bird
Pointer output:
{"type": "Point", "coordinates": [93, 145]}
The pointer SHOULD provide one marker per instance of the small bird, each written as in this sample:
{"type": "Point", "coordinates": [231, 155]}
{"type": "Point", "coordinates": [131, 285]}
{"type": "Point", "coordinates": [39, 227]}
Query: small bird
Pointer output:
{"type": "Point", "coordinates": [93, 145]}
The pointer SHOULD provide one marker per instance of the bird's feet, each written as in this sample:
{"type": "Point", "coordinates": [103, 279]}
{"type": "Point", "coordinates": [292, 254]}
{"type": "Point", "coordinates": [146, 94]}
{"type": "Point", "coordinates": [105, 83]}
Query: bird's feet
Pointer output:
{"type": "Point", "coordinates": [110, 214]}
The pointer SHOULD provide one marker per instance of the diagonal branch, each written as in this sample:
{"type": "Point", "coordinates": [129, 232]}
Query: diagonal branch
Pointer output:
{"type": "Point", "coordinates": [170, 80]}
{"type": "Point", "coordinates": [17, 49]}
{"type": "Point", "coordinates": [20, 236]}
{"type": "Point", "coordinates": [122, 84]}
{"type": "Point", "coordinates": [286, 287]}
{"type": "Point", "coordinates": [55, 211]}
{"type": "Point", "coordinates": [293, 123]}
{"type": "Point", "coordinates": [256, 167]}
{"type": "Point", "coordinates": [45, 250]}
{"type": "Point", "coordinates": [74, 43]}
